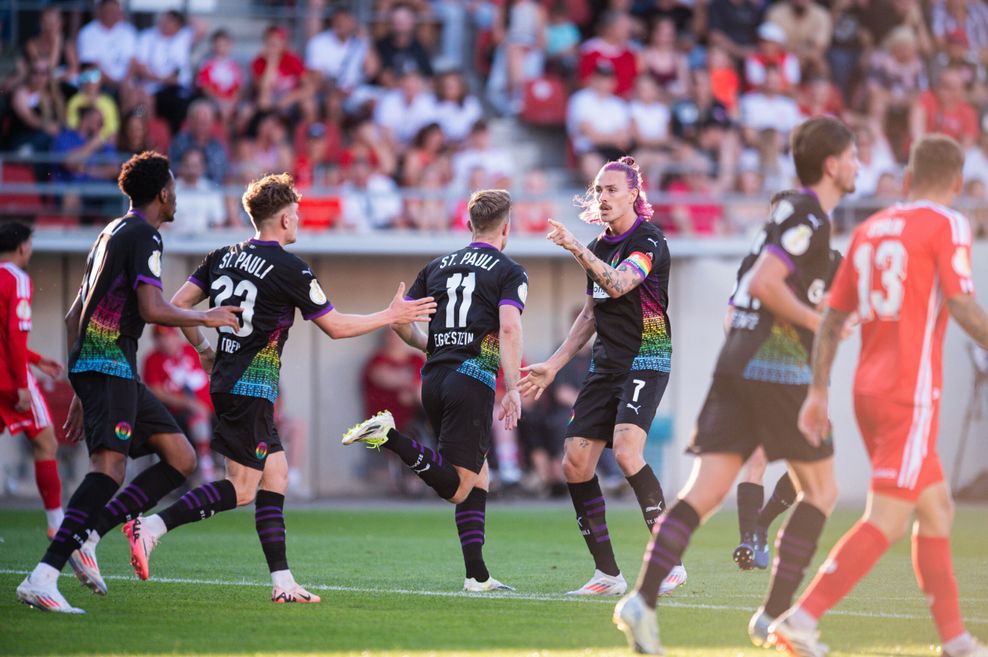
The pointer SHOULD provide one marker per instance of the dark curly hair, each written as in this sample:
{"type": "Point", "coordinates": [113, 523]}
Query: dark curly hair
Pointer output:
{"type": "Point", "coordinates": [12, 235]}
{"type": "Point", "coordinates": [143, 176]}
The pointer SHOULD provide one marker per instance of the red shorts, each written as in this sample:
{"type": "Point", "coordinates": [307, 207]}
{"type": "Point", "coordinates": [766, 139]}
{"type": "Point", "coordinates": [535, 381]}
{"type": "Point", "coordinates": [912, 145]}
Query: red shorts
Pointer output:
{"type": "Point", "coordinates": [901, 440]}
{"type": "Point", "coordinates": [32, 421]}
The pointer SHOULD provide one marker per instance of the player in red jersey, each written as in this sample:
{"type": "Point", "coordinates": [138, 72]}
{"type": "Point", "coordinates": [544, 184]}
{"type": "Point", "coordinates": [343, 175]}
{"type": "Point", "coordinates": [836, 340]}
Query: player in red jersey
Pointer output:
{"type": "Point", "coordinates": [907, 267]}
{"type": "Point", "coordinates": [22, 407]}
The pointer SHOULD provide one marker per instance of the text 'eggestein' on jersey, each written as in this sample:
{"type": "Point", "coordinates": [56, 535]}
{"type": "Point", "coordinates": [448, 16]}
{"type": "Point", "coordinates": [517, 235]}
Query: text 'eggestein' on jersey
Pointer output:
{"type": "Point", "coordinates": [469, 287]}
{"type": "Point", "coordinates": [269, 283]}
{"type": "Point", "coordinates": [633, 330]}
{"type": "Point", "coordinates": [760, 347]}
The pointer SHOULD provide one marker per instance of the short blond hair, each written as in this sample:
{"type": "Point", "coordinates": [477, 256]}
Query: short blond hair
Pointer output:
{"type": "Point", "coordinates": [266, 197]}
{"type": "Point", "coordinates": [935, 162]}
{"type": "Point", "coordinates": [488, 208]}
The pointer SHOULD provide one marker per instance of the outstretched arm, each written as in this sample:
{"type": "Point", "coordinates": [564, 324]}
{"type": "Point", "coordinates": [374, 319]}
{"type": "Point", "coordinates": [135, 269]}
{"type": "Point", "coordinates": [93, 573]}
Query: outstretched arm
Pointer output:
{"type": "Point", "coordinates": [616, 281]}
{"type": "Point", "coordinates": [541, 375]}
{"type": "Point", "coordinates": [401, 311]}
{"type": "Point", "coordinates": [155, 310]}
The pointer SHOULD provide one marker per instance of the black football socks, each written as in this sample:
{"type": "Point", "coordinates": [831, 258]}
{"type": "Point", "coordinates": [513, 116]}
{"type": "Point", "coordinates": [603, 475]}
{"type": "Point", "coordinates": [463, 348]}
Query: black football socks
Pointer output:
{"type": "Point", "coordinates": [588, 500]}
{"type": "Point", "coordinates": [648, 491]}
{"type": "Point", "coordinates": [750, 499]}
{"type": "Point", "coordinates": [782, 498]}
{"type": "Point", "coordinates": [470, 526]}
{"type": "Point", "coordinates": [269, 520]}
{"type": "Point", "coordinates": [794, 550]}
{"type": "Point", "coordinates": [142, 494]}
{"type": "Point", "coordinates": [665, 551]}
{"type": "Point", "coordinates": [200, 503]}
{"type": "Point", "coordinates": [427, 463]}
{"type": "Point", "coordinates": [87, 501]}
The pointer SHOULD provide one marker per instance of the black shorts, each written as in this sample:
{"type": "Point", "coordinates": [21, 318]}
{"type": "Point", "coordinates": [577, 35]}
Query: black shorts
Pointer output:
{"type": "Point", "coordinates": [461, 411]}
{"type": "Point", "coordinates": [120, 414]}
{"type": "Point", "coordinates": [739, 415]}
{"type": "Point", "coordinates": [245, 431]}
{"type": "Point", "coordinates": [606, 400]}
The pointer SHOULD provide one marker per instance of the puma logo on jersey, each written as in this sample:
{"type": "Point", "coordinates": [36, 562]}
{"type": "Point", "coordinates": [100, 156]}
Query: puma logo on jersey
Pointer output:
{"type": "Point", "coordinates": [308, 270]}
{"type": "Point", "coordinates": [813, 220]}
{"type": "Point", "coordinates": [654, 242]}
{"type": "Point", "coordinates": [635, 408]}
{"type": "Point", "coordinates": [156, 239]}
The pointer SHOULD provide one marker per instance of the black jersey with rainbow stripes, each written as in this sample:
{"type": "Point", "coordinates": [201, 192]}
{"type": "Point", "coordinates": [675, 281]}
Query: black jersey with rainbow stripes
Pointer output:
{"type": "Point", "coordinates": [469, 286]}
{"type": "Point", "coordinates": [126, 254]}
{"type": "Point", "coordinates": [633, 331]}
{"type": "Point", "coordinates": [759, 346]}
{"type": "Point", "coordinates": [269, 283]}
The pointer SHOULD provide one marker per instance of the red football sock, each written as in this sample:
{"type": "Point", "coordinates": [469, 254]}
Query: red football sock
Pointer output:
{"type": "Point", "coordinates": [49, 485]}
{"type": "Point", "coordinates": [848, 562]}
{"type": "Point", "coordinates": [934, 570]}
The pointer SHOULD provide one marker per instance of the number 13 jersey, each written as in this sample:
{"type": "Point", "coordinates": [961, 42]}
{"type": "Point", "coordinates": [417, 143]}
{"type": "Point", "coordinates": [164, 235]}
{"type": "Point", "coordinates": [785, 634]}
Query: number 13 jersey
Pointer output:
{"type": "Point", "coordinates": [269, 283]}
{"type": "Point", "coordinates": [902, 266]}
{"type": "Point", "coordinates": [469, 287]}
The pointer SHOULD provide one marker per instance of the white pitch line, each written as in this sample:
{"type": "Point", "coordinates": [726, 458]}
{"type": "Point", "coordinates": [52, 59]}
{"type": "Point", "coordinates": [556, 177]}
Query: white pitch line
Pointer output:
{"type": "Point", "coordinates": [534, 597]}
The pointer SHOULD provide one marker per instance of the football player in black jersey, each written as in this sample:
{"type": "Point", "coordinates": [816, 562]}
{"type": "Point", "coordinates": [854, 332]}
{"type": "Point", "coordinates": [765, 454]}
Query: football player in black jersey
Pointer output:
{"type": "Point", "coordinates": [112, 409]}
{"type": "Point", "coordinates": [481, 293]}
{"type": "Point", "coordinates": [268, 283]}
{"type": "Point", "coordinates": [759, 384]}
{"type": "Point", "coordinates": [627, 270]}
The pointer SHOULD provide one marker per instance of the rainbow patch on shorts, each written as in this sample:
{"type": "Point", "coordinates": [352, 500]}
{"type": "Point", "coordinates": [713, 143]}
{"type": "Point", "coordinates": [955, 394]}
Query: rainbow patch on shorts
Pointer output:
{"type": "Point", "coordinates": [261, 450]}
{"type": "Point", "coordinates": [123, 430]}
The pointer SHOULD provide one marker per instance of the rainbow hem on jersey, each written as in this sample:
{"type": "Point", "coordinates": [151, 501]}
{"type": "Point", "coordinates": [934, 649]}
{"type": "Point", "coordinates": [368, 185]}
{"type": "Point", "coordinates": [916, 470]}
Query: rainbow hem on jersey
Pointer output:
{"type": "Point", "coordinates": [782, 358]}
{"type": "Point", "coordinates": [655, 352]}
{"type": "Point", "coordinates": [260, 379]}
{"type": "Point", "coordinates": [99, 351]}
{"type": "Point", "coordinates": [484, 366]}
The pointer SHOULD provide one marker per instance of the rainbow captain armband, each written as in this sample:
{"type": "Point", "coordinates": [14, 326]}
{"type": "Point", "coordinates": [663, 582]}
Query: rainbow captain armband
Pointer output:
{"type": "Point", "coordinates": [640, 262]}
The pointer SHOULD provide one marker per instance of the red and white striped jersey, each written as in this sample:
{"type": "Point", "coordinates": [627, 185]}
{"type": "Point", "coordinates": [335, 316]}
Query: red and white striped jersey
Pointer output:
{"type": "Point", "coordinates": [903, 264]}
{"type": "Point", "coordinates": [15, 323]}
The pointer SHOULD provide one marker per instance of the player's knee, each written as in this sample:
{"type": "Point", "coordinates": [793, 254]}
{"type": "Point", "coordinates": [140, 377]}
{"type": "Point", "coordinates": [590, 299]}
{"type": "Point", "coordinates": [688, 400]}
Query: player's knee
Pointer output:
{"type": "Point", "coordinates": [628, 458]}
{"type": "Point", "coordinates": [576, 471]}
{"type": "Point", "coordinates": [245, 494]}
{"type": "Point", "coordinates": [44, 446]}
{"type": "Point", "coordinates": [183, 459]}
{"type": "Point", "coordinates": [823, 495]}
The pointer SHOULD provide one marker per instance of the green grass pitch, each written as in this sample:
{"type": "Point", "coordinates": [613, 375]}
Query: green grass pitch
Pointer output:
{"type": "Point", "coordinates": [389, 579]}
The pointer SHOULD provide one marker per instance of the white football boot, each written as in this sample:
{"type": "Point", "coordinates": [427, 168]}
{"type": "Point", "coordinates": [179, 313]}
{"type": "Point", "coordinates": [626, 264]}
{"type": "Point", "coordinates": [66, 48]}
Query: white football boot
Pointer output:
{"type": "Point", "coordinates": [601, 584]}
{"type": "Point", "coordinates": [633, 617]}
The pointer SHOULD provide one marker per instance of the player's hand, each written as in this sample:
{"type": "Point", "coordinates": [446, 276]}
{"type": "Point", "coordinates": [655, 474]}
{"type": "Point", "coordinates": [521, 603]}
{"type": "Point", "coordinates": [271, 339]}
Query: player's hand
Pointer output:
{"type": "Point", "coordinates": [73, 421]}
{"type": "Point", "coordinates": [538, 377]}
{"type": "Point", "coordinates": [23, 400]}
{"type": "Point", "coordinates": [510, 410]}
{"type": "Point", "coordinates": [406, 311]}
{"type": "Point", "coordinates": [223, 316]}
{"type": "Point", "coordinates": [850, 324]}
{"type": "Point", "coordinates": [560, 235]}
{"type": "Point", "coordinates": [813, 419]}
{"type": "Point", "coordinates": [51, 367]}
{"type": "Point", "coordinates": [206, 359]}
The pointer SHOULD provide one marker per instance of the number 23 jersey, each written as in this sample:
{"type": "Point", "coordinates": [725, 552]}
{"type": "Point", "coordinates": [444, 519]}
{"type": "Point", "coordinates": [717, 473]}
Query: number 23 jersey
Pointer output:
{"type": "Point", "coordinates": [470, 286]}
{"type": "Point", "coordinates": [269, 283]}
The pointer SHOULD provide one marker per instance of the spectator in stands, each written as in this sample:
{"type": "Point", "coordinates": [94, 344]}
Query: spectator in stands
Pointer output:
{"type": "Point", "coordinates": [725, 83]}
{"type": "Point", "coordinates": [946, 110]}
{"type": "Point", "coordinates": [650, 119]}
{"type": "Point", "coordinates": [201, 205]}
{"type": "Point", "coordinates": [747, 214]}
{"type": "Point", "coordinates": [818, 96]}
{"type": "Point", "coordinates": [341, 55]}
{"type": "Point", "coordinates": [532, 210]}
{"type": "Point", "coordinates": [370, 199]}
{"type": "Point", "coordinates": [808, 28]}
{"type": "Point", "coordinates": [598, 122]}
{"type": "Point", "coordinates": [51, 46]}
{"type": "Point", "coordinates": [134, 137]}
{"type": "Point", "coordinates": [87, 157]}
{"type": "Point", "coordinates": [265, 149]}
{"type": "Point", "coordinates": [403, 111]}
{"type": "Point", "coordinates": [279, 75]}
{"type": "Point", "coordinates": [850, 39]}
{"type": "Point", "coordinates": [163, 65]}
{"type": "Point", "coordinates": [426, 150]}
{"type": "Point", "coordinates": [768, 107]}
{"type": "Point", "coordinates": [37, 110]}
{"type": "Point", "coordinates": [457, 110]}
{"type": "Point", "coordinates": [562, 39]}
{"type": "Point", "coordinates": [667, 65]}
{"type": "Point", "coordinates": [367, 140]}
{"type": "Point", "coordinates": [701, 214]}
{"type": "Point", "coordinates": [400, 50]}
{"type": "Point", "coordinates": [312, 159]}
{"type": "Point", "coordinates": [221, 78]}
{"type": "Point", "coordinates": [734, 25]}
{"type": "Point", "coordinates": [89, 95]}
{"type": "Point", "coordinates": [875, 157]}
{"type": "Point", "coordinates": [771, 53]}
{"type": "Point", "coordinates": [959, 54]}
{"type": "Point", "coordinates": [427, 211]}
{"type": "Point", "coordinates": [967, 17]}
{"type": "Point", "coordinates": [774, 166]}
{"type": "Point", "coordinates": [132, 97]}
{"type": "Point", "coordinates": [680, 12]}
{"type": "Point", "coordinates": [174, 375]}
{"type": "Point", "coordinates": [110, 42]}
{"type": "Point", "coordinates": [614, 47]}
{"type": "Point", "coordinates": [479, 155]}
{"type": "Point", "coordinates": [896, 76]}
{"type": "Point", "coordinates": [976, 159]}
{"type": "Point", "coordinates": [201, 130]}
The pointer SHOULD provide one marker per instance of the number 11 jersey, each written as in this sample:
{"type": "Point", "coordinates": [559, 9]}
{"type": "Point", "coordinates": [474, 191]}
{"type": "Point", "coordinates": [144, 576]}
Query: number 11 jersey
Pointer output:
{"type": "Point", "coordinates": [269, 283]}
{"type": "Point", "coordinates": [469, 287]}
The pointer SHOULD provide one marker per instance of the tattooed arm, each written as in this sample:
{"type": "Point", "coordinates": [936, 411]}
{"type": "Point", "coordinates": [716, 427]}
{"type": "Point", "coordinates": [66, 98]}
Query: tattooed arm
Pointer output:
{"type": "Point", "coordinates": [616, 281]}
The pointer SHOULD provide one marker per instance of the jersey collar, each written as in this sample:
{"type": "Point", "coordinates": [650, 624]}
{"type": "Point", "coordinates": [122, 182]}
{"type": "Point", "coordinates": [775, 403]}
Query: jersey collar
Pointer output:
{"type": "Point", "coordinates": [264, 242]}
{"type": "Point", "coordinates": [612, 239]}
{"type": "Point", "coordinates": [137, 213]}
{"type": "Point", "coordinates": [481, 245]}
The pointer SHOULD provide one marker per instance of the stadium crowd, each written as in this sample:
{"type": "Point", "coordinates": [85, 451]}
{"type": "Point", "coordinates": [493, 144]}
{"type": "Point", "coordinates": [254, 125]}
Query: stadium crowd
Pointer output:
{"type": "Point", "coordinates": [387, 118]}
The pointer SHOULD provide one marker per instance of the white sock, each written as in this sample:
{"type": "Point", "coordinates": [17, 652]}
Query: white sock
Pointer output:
{"type": "Point", "coordinates": [154, 526]}
{"type": "Point", "coordinates": [55, 517]}
{"type": "Point", "coordinates": [43, 574]}
{"type": "Point", "coordinates": [802, 620]}
{"type": "Point", "coordinates": [959, 644]}
{"type": "Point", "coordinates": [282, 579]}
